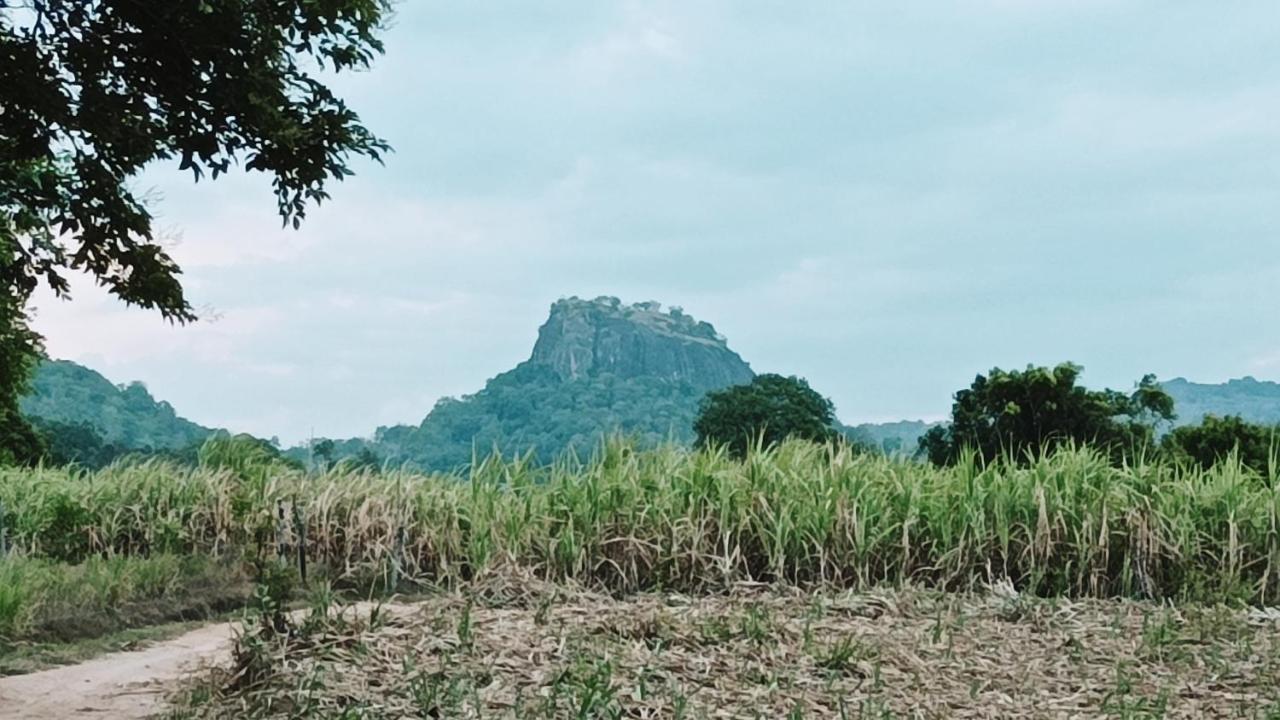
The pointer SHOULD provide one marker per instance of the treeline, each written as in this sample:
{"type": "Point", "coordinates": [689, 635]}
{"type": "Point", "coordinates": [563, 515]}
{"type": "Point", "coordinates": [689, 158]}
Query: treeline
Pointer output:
{"type": "Point", "coordinates": [1021, 414]}
{"type": "Point", "coordinates": [60, 444]}
{"type": "Point", "coordinates": [527, 410]}
{"type": "Point", "coordinates": [61, 413]}
{"type": "Point", "coordinates": [37, 440]}
{"type": "Point", "coordinates": [1003, 415]}
{"type": "Point", "coordinates": [1014, 415]}
{"type": "Point", "coordinates": [55, 443]}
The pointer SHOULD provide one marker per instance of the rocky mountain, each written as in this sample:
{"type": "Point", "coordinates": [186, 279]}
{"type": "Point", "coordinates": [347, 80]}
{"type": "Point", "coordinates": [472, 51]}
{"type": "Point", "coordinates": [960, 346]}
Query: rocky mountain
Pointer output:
{"type": "Point", "coordinates": [125, 416]}
{"type": "Point", "coordinates": [598, 366]}
{"type": "Point", "coordinates": [584, 338]}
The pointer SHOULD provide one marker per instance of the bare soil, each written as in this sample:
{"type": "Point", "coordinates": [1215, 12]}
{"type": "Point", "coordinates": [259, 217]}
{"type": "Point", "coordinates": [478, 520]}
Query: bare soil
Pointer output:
{"type": "Point", "coordinates": [120, 686]}
{"type": "Point", "coordinates": [756, 652]}
{"type": "Point", "coordinates": [771, 653]}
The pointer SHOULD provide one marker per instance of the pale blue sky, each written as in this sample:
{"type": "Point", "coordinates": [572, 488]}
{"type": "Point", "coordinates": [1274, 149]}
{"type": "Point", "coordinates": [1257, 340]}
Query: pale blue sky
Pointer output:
{"type": "Point", "coordinates": [885, 198]}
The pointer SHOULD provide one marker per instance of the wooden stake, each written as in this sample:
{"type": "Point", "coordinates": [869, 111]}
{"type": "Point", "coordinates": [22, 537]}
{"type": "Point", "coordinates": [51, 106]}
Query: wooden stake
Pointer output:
{"type": "Point", "coordinates": [300, 524]}
{"type": "Point", "coordinates": [282, 548]}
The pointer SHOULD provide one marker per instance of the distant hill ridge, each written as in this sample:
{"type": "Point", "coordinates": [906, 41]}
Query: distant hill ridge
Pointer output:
{"type": "Point", "coordinates": [597, 366]}
{"type": "Point", "coordinates": [124, 415]}
{"type": "Point", "coordinates": [1252, 399]}
{"type": "Point", "coordinates": [894, 438]}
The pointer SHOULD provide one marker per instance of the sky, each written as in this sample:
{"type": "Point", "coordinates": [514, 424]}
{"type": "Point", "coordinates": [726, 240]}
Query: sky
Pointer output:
{"type": "Point", "coordinates": [884, 198]}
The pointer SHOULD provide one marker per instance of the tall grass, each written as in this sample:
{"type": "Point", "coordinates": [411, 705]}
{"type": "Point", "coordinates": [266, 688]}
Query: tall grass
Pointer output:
{"type": "Point", "coordinates": [1069, 524]}
{"type": "Point", "coordinates": [45, 599]}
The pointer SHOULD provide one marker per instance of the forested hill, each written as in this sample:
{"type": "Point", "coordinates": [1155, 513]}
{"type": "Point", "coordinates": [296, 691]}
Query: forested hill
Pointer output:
{"type": "Point", "coordinates": [597, 366]}
{"type": "Point", "coordinates": [893, 438]}
{"type": "Point", "coordinates": [126, 416]}
{"type": "Point", "coordinates": [1254, 400]}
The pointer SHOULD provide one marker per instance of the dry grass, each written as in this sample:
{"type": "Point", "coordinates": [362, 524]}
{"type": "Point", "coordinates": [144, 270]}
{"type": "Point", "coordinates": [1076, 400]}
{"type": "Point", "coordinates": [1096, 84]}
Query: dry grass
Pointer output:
{"type": "Point", "coordinates": [760, 652]}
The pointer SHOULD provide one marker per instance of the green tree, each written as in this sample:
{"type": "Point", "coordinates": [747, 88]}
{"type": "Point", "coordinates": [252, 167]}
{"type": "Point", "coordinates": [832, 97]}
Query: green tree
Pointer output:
{"type": "Point", "coordinates": [19, 353]}
{"type": "Point", "coordinates": [94, 91]}
{"type": "Point", "coordinates": [769, 409]}
{"type": "Point", "coordinates": [74, 443]}
{"type": "Point", "coordinates": [1021, 413]}
{"type": "Point", "coordinates": [1215, 438]}
{"type": "Point", "coordinates": [322, 451]}
{"type": "Point", "coordinates": [365, 459]}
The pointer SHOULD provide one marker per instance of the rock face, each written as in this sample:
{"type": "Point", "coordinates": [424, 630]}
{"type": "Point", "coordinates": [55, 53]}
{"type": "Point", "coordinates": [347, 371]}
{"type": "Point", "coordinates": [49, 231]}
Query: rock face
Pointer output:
{"type": "Point", "coordinates": [584, 338]}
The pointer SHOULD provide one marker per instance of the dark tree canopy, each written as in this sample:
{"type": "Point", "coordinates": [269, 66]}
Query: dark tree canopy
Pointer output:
{"type": "Point", "coordinates": [1017, 413]}
{"type": "Point", "coordinates": [1216, 438]}
{"type": "Point", "coordinates": [19, 441]}
{"type": "Point", "coordinates": [769, 409]}
{"type": "Point", "coordinates": [529, 409]}
{"type": "Point", "coordinates": [93, 91]}
{"type": "Point", "coordinates": [74, 443]}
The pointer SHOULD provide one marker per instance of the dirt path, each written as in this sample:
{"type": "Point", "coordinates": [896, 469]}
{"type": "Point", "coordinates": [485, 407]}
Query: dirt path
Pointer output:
{"type": "Point", "coordinates": [121, 686]}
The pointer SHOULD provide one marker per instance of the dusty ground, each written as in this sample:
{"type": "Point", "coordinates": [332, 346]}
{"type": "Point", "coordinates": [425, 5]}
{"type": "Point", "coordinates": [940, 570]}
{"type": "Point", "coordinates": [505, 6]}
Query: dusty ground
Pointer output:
{"type": "Point", "coordinates": [756, 653]}
{"type": "Point", "coordinates": [120, 686]}
{"type": "Point", "coordinates": [766, 654]}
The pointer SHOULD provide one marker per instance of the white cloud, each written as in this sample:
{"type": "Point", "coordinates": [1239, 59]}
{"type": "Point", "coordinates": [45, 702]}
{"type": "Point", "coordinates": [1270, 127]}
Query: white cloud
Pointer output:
{"type": "Point", "coordinates": [95, 325]}
{"type": "Point", "coordinates": [225, 224]}
{"type": "Point", "coordinates": [1268, 363]}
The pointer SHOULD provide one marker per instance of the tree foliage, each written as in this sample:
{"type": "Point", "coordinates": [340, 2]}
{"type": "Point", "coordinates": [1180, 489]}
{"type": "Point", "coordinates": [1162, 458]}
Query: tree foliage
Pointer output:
{"type": "Point", "coordinates": [1024, 413]}
{"type": "Point", "coordinates": [1216, 438]}
{"type": "Point", "coordinates": [93, 91]}
{"type": "Point", "coordinates": [64, 394]}
{"type": "Point", "coordinates": [529, 409]}
{"type": "Point", "coordinates": [79, 444]}
{"type": "Point", "coordinates": [19, 354]}
{"type": "Point", "coordinates": [769, 409]}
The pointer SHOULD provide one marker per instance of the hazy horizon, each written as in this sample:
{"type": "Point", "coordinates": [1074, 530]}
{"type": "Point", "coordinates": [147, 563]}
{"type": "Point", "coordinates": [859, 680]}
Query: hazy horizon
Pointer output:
{"type": "Point", "coordinates": [883, 200]}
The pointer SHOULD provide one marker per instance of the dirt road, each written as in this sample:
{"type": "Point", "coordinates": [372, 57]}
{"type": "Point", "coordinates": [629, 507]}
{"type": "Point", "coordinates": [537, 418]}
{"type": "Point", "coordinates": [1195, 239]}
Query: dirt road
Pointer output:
{"type": "Point", "coordinates": [121, 686]}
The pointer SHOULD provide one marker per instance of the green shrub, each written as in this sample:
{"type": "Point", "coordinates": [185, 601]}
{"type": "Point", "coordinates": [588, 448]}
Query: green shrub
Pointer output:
{"type": "Point", "coordinates": [1220, 439]}
{"type": "Point", "coordinates": [44, 599]}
